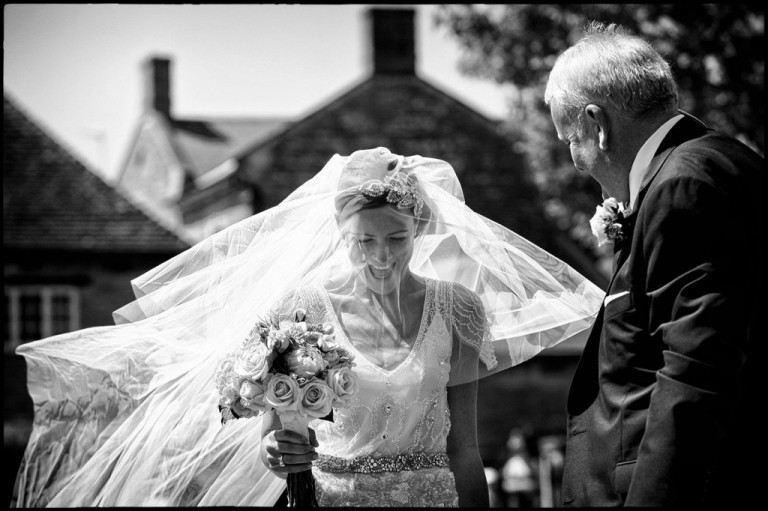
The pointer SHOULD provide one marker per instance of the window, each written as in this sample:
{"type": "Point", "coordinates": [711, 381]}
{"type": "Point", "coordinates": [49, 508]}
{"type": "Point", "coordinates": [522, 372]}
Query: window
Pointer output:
{"type": "Point", "coordinates": [34, 312]}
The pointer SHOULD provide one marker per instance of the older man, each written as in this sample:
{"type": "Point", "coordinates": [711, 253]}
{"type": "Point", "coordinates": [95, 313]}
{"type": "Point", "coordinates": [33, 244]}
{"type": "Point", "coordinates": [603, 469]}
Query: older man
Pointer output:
{"type": "Point", "coordinates": [662, 408]}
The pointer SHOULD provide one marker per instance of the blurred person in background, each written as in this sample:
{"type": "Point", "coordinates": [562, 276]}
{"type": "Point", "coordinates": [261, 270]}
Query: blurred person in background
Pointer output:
{"type": "Point", "coordinates": [550, 465]}
{"type": "Point", "coordinates": [519, 480]}
{"type": "Point", "coordinates": [493, 478]}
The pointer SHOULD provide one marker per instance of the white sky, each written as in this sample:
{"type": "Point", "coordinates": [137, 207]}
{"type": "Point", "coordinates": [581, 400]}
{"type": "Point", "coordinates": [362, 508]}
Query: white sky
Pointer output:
{"type": "Point", "coordinates": [75, 68]}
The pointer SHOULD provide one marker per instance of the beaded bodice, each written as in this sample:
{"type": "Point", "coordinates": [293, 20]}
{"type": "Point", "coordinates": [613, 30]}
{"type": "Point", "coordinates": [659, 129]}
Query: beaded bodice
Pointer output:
{"type": "Point", "coordinates": [389, 447]}
{"type": "Point", "coordinates": [399, 411]}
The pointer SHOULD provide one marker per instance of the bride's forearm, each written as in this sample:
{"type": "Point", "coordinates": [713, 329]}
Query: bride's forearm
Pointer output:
{"type": "Point", "coordinates": [463, 456]}
{"type": "Point", "coordinates": [471, 486]}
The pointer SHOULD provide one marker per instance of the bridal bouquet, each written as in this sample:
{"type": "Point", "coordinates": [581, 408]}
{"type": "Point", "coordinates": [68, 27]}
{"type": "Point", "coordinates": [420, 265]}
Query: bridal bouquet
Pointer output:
{"type": "Point", "coordinates": [295, 368]}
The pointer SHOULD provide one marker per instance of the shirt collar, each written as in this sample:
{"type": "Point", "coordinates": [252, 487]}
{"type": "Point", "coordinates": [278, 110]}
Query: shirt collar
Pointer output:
{"type": "Point", "coordinates": [644, 157]}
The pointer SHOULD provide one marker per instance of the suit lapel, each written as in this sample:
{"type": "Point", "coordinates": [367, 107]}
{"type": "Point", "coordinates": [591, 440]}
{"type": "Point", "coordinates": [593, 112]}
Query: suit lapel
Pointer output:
{"type": "Point", "coordinates": [621, 249]}
{"type": "Point", "coordinates": [686, 129]}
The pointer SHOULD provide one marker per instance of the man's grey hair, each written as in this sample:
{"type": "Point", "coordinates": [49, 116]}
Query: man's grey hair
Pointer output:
{"type": "Point", "coordinates": [614, 69]}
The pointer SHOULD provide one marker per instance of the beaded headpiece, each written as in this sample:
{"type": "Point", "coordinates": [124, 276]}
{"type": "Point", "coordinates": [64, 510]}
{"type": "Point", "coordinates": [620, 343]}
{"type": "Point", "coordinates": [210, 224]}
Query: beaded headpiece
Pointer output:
{"type": "Point", "coordinates": [399, 190]}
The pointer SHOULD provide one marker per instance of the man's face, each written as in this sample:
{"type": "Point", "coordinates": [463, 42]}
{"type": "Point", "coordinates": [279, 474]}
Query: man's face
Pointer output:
{"type": "Point", "coordinates": [584, 146]}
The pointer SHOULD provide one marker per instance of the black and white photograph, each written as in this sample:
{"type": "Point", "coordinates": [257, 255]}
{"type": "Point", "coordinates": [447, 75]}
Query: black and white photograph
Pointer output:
{"type": "Point", "coordinates": [380, 255]}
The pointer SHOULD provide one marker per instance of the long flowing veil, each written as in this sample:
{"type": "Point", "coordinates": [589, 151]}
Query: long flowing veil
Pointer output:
{"type": "Point", "coordinates": [127, 414]}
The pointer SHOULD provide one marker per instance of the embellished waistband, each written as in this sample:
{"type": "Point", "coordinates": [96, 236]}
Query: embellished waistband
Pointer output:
{"type": "Point", "coordinates": [370, 464]}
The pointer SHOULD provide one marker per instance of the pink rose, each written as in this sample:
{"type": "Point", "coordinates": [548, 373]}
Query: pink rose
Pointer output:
{"type": "Point", "coordinates": [305, 362]}
{"type": "Point", "coordinates": [242, 411]}
{"type": "Point", "coordinates": [249, 389]}
{"type": "Point", "coordinates": [344, 384]}
{"type": "Point", "coordinates": [252, 394]}
{"type": "Point", "coordinates": [254, 363]}
{"type": "Point", "coordinates": [316, 399]}
{"type": "Point", "coordinates": [283, 393]}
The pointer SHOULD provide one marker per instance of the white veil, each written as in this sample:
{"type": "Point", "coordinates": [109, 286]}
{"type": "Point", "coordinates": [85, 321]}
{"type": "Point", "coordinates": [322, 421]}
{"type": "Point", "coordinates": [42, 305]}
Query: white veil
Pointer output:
{"type": "Point", "coordinates": [127, 415]}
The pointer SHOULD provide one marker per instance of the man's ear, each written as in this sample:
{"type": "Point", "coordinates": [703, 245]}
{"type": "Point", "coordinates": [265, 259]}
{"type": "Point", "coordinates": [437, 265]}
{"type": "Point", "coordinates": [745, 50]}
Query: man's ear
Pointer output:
{"type": "Point", "coordinates": [597, 124]}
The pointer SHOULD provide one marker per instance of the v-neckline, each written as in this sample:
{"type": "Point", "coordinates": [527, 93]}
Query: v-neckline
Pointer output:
{"type": "Point", "coordinates": [428, 295]}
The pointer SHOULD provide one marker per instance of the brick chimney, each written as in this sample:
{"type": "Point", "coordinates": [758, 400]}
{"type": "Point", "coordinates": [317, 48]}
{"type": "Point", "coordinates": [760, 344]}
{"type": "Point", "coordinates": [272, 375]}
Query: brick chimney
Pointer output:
{"type": "Point", "coordinates": [393, 41]}
{"type": "Point", "coordinates": [157, 85]}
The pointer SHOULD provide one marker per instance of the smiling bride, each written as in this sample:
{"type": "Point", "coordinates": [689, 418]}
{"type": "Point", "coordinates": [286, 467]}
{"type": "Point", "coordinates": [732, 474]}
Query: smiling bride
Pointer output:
{"type": "Point", "coordinates": [380, 249]}
{"type": "Point", "coordinates": [409, 436]}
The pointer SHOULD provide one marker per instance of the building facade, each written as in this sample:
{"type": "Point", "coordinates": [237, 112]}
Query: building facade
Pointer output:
{"type": "Point", "coordinates": [71, 245]}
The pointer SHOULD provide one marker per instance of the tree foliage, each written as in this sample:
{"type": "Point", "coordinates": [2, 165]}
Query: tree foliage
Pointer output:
{"type": "Point", "coordinates": [716, 52]}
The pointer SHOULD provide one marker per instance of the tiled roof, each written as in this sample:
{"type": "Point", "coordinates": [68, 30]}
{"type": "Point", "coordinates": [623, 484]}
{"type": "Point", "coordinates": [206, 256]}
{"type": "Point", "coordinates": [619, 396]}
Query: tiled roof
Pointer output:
{"type": "Point", "coordinates": [52, 201]}
{"type": "Point", "coordinates": [204, 144]}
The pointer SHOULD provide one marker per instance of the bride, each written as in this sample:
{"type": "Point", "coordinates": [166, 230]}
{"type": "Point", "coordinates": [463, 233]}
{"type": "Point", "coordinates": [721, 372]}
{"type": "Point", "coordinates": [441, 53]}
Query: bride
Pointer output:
{"type": "Point", "coordinates": [428, 296]}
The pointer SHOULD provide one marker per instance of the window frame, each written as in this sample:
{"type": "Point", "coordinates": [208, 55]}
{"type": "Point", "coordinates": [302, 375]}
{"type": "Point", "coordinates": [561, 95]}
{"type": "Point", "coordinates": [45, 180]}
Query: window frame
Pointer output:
{"type": "Point", "coordinates": [46, 292]}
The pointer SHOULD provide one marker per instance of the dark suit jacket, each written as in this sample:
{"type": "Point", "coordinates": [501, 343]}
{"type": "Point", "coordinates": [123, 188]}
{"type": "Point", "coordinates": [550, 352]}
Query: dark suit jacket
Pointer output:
{"type": "Point", "coordinates": [663, 405]}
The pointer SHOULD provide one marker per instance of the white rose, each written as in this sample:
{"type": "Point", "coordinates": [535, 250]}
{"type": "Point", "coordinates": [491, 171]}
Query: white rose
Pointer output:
{"type": "Point", "coordinates": [316, 399]}
{"type": "Point", "coordinates": [611, 206]}
{"type": "Point", "coordinates": [253, 364]}
{"type": "Point", "coordinates": [597, 223]}
{"type": "Point", "coordinates": [343, 382]}
{"type": "Point", "coordinates": [252, 394]}
{"type": "Point", "coordinates": [283, 393]}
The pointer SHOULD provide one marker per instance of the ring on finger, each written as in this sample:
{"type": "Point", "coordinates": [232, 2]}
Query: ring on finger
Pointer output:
{"type": "Point", "coordinates": [282, 462]}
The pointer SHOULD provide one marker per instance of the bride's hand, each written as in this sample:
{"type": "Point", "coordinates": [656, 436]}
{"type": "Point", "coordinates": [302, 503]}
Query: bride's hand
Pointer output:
{"type": "Point", "coordinates": [295, 451]}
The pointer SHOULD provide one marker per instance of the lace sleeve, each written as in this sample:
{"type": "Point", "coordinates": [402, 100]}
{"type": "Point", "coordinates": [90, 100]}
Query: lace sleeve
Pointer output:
{"type": "Point", "coordinates": [471, 335]}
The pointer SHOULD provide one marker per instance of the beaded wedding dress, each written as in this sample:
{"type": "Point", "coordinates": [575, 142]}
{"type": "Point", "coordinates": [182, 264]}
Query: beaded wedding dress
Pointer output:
{"type": "Point", "coordinates": [389, 447]}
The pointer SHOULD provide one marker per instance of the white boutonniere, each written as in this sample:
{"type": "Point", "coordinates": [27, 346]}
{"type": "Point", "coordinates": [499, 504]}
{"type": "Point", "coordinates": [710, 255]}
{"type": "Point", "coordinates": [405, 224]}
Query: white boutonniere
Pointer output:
{"type": "Point", "coordinates": [607, 223]}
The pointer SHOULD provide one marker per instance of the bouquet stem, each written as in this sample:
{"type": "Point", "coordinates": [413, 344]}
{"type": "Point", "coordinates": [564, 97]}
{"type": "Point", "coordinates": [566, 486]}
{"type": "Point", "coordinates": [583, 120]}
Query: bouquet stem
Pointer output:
{"type": "Point", "coordinates": [301, 486]}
